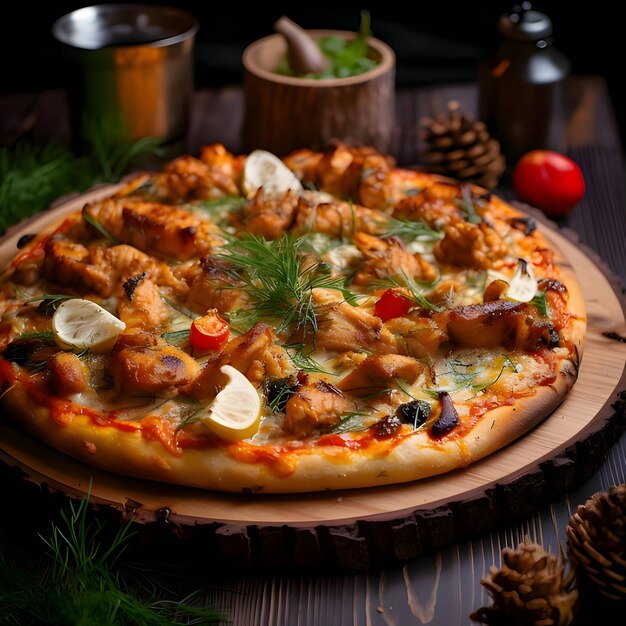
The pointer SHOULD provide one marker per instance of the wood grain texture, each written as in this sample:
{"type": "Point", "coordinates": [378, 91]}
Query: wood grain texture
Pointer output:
{"type": "Point", "coordinates": [282, 118]}
{"type": "Point", "coordinates": [286, 113]}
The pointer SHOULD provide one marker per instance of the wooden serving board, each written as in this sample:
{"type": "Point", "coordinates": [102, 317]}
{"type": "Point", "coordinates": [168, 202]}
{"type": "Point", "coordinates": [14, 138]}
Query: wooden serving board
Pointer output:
{"type": "Point", "coordinates": [360, 529]}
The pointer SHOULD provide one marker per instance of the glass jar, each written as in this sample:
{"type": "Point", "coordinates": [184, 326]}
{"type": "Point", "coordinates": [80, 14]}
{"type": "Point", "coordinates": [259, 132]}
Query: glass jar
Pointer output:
{"type": "Point", "coordinates": [521, 86]}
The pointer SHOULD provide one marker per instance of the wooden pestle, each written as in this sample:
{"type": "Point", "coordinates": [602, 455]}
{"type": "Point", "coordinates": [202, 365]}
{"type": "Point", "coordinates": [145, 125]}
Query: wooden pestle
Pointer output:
{"type": "Point", "coordinates": [304, 55]}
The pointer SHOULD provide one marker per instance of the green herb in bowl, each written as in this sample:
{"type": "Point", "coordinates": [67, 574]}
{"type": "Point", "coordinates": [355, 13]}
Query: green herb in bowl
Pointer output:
{"type": "Point", "coordinates": [348, 57]}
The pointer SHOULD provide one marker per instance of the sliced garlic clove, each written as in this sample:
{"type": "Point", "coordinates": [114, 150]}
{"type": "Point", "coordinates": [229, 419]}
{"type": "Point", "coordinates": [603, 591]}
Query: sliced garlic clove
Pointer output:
{"type": "Point", "coordinates": [523, 284]}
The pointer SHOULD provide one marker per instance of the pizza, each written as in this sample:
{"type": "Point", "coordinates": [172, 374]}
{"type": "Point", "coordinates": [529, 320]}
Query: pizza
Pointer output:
{"type": "Point", "coordinates": [252, 324]}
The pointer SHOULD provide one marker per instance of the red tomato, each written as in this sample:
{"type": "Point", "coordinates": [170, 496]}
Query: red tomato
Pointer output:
{"type": "Point", "coordinates": [550, 181]}
{"type": "Point", "coordinates": [392, 304]}
{"type": "Point", "coordinates": [209, 332]}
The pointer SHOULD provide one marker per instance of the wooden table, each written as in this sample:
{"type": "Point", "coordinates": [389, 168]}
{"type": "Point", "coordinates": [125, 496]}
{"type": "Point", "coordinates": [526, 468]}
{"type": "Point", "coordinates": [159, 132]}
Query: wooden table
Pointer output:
{"type": "Point", "coordinates": [440, 588]}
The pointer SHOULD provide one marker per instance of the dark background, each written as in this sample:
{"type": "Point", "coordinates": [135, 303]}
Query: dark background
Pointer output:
{"type": "Point", "coordinates": [435, 41]}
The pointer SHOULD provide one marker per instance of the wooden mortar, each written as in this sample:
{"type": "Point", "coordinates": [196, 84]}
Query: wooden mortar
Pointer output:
{"type": "Point", "coordinates": [284, 113]}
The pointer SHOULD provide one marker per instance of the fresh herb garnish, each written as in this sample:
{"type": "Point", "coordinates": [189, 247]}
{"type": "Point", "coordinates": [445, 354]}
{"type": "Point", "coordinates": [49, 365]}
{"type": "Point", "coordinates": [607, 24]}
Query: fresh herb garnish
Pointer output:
{"type": "Point", "coordinates": [467, 206]}
{"type": "Point", "coordinates": [277, 281]}
{"type": "Point", "coordinates": [90, 219]}
{"type": "Point", "coordinates": [468, 376]}
{"type": "Point", "coordinates": [302, 359]}
{"type": "Point", "coordinates": [350, 422]}
{"type": "Point", "coordinates": [541, 303]}
{"type": "Point", "coordinates": [49, 302]}
{"type": "Point", "coordinates": [348, 57]}
{"type": "Point", "coordinates": [278, 392]}
{"type": "Point", "coordinates": [410, 230]}
{"type": "Point", "coordinates": [219, 208]}
{"type": "Point", "coordinates": [191, 418]}
{"type": "Point", "coordinates": [176, 337]}
{"type": "Point", "coordinates": [46, 336]}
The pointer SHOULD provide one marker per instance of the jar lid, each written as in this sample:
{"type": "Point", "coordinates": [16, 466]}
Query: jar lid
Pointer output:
{"type": "Point", "coordinates": [524, 24]}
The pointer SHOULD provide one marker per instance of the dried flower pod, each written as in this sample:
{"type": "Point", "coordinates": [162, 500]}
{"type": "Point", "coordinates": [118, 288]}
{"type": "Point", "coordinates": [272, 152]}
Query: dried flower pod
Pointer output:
{"type": "Point", "coordinates": [596, 538]}
{"type": "Point", "coordinates": [461, 148]}
{"type": "Point", "coordinates": [531, 588]}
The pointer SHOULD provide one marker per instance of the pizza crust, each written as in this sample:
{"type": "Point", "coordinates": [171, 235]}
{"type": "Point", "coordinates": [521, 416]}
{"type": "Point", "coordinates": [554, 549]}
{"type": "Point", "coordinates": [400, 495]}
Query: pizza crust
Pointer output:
{"type": "Point", "coordinates": [322, 468]}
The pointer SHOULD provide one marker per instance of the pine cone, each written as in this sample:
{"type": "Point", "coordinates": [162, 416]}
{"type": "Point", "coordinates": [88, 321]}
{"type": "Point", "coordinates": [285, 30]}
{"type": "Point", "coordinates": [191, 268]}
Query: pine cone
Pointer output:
{"type": "Point", "coordinates": [596, 537]}
{"type": "Point", "coordinates": [461, 148]}
{"type": "Point", "coordinates": [530, 589]}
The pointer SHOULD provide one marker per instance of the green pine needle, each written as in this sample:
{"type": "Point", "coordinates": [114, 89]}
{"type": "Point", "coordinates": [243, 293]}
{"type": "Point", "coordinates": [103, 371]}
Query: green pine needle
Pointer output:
{"type": "Point", "coordinates": [32, 176]}
{"type": "Point", "coordinates": [112, 154]}
{"type": "Point", "coordinates": [79, 581]}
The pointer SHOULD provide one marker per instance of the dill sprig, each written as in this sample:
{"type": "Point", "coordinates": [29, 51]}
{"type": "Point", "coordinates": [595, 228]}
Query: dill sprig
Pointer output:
{"type": "Point", "coordinates": [91, 220]}
{"type": "Point", "coordinates": [410, 230]}
{"type": "Point", "coordinates": [51, 300]}
{"type": "Point", "coordinates": [31, 177]}
{"type": "Point", "coordinates": [111, 153]}
{"type": "Point", "coordinates": [303, 359]}
{"type": "Point", "coordinates": [467, 206]}
{"type": "Point", "coordinates": [79, 580]}
{"type": "Point", "coordinates": [47, 336]}
{"type": "Point", "coordinates": [176, 337]}
{"type": "Point", "coordinates": [278, 282]}
{"type": "Point", "coordinates": [222, 205]}
{"type": "Point", "coordinates": [466, 376]}
{"type": "Point", "coordinates": [350, 423]}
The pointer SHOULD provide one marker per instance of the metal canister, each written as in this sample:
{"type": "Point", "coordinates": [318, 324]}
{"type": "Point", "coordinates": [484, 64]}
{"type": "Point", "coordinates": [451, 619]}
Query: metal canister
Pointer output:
{"type": "Point", "coordinates": [521, 96]}
{"type": "Point", "coordinates": [130, 71]}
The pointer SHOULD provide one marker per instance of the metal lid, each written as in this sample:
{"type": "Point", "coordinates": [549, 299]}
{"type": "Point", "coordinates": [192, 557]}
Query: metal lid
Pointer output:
{"type": "Point", "coordinates": [104, 25]}
{"type": "Point", "coordinates": [524, 24]}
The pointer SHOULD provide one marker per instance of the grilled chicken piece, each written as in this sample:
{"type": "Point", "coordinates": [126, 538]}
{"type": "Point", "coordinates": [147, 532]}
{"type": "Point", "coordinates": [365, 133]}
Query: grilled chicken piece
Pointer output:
{"type": "Point", "coordinates": [445, 293]}
{"type": "Point", "coordinates": [381, 187]}
{"type": "Point", "coordinates": [222, 162]}
{"type": "Point", "coordinates": [141, 364]}
{"type": "Point", "coordinates": [415, 336]}
{"type": "Point", "coordinates": [315, 407]}
{"type": "Point", "coordinates": [142, 306]}
{"type": "Point", "coordinates": [186, 178]}
{"type": "Point", "coordinates": [498, 323]}
{"type": "Point", "coordinates": [304, 164]}
{"type": "Point", "coordinates": [436, 205]}
{"type": "Point", "coordinates": [267, 216]}
{"type": "Point", "coordinates": [338, 170]}
{"type": "Point", "coordinates": [155, 228]}
{"type": "Point", "coordinates": [214, 287]}
{"type": "Point", "coordinates": [374, 373]}
{"type": "Point", "coordinates": [387, 258]}
{"type": "Point", "coordinates": [99, 269]}
{"type": "Point", "coordinates": [255, 354]}
{"type": "Point", "coordinates": [335, 219]}
{"type": "Point", "coordinates": [470, 245]}
{"type": "Point", "coordinates": [68, 374]}
{"type": "Point", "coordinates": [71, 264]}
{"type": "Point", "coordinates": [343, 327]}
{"type": "Point", "coordinates": [27, 269]}
{"type": "Point", "coordinates": [342, 167]}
